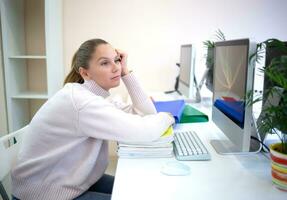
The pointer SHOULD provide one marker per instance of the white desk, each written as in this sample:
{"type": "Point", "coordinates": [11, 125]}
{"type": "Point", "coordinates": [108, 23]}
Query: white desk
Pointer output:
{"type": "Point", "coordinates": [224, 177]}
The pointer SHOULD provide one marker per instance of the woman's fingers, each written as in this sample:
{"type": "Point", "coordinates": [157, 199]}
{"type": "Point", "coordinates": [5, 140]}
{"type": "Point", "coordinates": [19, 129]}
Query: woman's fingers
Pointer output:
{"type": "Point", "coordinates": [123, 56]}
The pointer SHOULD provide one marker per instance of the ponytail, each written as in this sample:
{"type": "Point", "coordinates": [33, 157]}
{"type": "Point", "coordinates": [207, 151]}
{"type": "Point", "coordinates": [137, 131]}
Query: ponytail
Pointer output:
{"type": "Point", "coordinates": [81, 59]}
{"type": "Point", "coordinates": [74, 76]}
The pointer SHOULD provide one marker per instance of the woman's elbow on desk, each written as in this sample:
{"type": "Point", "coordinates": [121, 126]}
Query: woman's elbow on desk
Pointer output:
{"type": "Point", "coordinates": [151, 128]}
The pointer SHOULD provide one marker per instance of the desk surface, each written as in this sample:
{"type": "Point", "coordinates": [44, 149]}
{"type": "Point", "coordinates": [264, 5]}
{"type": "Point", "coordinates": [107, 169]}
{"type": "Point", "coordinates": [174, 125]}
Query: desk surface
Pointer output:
{"type": "Point", "coordinates": [224, 177]}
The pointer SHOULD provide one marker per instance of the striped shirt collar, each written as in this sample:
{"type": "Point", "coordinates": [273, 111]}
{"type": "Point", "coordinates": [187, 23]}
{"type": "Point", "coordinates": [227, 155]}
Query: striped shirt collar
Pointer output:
{"type": "Point", "coordinates": [92, 86]}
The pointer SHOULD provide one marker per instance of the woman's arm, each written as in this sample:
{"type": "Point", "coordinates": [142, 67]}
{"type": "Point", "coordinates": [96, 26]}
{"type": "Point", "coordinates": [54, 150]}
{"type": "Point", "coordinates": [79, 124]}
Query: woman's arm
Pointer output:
{"type": "Point", "coordinates": [102, 120]}
{"type": "Point", "coordinates": [141, 103]}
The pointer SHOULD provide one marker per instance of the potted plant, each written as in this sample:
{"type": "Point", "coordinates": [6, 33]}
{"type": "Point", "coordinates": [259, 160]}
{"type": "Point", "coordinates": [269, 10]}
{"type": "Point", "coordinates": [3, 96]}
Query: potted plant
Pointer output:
{"type": "Point", "coordinates": [209, 45]}
{"type": "Point", "coordinates": [274, 120]}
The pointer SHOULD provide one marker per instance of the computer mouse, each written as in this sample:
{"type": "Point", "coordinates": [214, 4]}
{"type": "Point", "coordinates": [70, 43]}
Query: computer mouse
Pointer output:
{"type": "Point", "coordinates": [175, 168]}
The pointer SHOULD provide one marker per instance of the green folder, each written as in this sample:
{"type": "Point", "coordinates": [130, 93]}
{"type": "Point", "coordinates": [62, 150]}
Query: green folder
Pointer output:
{"type": "Point", "coordinates": [192, 115]}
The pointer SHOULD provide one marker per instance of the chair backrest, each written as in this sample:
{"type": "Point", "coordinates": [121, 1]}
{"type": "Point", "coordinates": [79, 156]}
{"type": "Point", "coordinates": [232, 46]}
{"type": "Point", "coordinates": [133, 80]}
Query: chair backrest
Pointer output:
{"type": "Point", "coordinates": [9, 147]}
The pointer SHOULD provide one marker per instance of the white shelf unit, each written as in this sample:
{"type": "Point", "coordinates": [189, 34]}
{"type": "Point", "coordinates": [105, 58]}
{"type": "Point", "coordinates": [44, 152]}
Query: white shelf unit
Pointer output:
{"type": "Point", "coordinates": [32, 54]}
{"type": "Point", "coordinates": [28, 57]}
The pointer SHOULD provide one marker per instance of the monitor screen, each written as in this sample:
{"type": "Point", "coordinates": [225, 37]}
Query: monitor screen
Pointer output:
{"type": "Point", "coordinates": [230, 76]}
{"type": "Point", "coordinates": [185, 64]}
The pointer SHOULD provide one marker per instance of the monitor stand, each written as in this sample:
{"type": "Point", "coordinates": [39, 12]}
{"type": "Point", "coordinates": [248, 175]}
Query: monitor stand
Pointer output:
{"type": "Point", "coordinates": [173, 91]}
{"type": "Point", "coordinates": [226, 147]}
{"type": "Point", "coordinates": [176, 95]}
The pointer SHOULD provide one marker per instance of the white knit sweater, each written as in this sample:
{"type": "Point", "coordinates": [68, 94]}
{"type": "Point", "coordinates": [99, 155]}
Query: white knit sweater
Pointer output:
{"type": "Point", "coordinates": [65, 150]}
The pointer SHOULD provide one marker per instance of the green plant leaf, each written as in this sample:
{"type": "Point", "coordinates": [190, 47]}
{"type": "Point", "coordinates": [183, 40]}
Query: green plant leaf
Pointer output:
{"type": "Point", "coordinates": [219, 35]}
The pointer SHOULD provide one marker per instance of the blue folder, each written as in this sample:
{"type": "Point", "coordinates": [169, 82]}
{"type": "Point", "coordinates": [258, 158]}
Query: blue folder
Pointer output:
{"type": "Point", "coordinates": [233, 109]}
{"type": "Point", "coordinates": [175, 107]}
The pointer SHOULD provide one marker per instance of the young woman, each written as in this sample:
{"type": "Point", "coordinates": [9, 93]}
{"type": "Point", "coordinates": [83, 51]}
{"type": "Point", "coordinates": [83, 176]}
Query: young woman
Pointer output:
{"type": "Point", "coordinates": [65, 151]}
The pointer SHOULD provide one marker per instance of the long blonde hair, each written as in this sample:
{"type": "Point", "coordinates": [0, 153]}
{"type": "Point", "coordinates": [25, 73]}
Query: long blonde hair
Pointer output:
{"type": "Point", "coordinates": [81, 59]}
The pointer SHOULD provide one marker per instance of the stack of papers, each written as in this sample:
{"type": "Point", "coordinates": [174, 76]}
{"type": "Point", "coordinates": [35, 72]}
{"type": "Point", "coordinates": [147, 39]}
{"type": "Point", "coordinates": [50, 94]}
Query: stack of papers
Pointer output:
{"type": "Point", "coordinates": [161, 148]}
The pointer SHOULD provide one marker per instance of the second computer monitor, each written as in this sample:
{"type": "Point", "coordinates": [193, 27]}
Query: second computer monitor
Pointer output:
{"type": "Point", "coordinates": [233, 79]}
{"type": "Point", "coordinates": [186, 74]}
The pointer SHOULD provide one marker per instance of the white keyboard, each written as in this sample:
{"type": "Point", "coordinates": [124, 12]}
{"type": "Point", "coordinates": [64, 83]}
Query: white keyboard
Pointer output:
{"type": "Point", "coordinates": [188, 146]}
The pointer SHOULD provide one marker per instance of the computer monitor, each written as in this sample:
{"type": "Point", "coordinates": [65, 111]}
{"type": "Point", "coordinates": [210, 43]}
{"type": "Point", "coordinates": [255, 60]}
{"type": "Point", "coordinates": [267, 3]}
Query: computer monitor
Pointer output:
{"type": "Point", "coordinates": [186, 74]}
{"type": "Point", "coordinates": [232, 80]}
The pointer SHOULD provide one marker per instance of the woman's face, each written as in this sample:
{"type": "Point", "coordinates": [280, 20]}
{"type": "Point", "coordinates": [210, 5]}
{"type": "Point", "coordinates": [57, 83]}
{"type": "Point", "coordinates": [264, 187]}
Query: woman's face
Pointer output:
{"type": "Point", "coordinates": [105, 67]}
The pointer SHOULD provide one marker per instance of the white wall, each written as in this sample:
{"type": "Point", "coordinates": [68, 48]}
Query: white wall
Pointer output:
{"type": "Point", "coordinates": [151, 31]}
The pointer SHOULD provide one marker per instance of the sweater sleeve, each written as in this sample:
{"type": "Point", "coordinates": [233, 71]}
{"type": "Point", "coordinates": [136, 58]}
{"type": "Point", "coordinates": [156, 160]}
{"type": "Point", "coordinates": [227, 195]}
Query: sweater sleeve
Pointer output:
{"type": "Point", "coordinates": [101, 119]}
{"type": "Point", "coordinates": [141, 103]}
